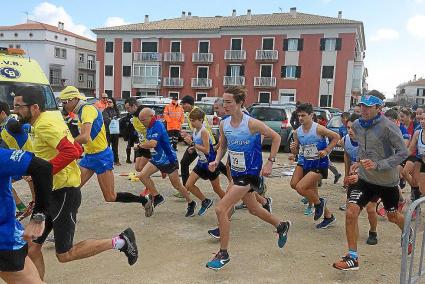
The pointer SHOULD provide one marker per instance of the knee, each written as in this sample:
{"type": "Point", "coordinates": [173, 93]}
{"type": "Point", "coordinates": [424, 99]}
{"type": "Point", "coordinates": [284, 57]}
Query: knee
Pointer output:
{"type": "Point", "coordinates": [393, 217]}
{"type": "Point", "coordinates": [351, 214]}
{"type": "Point", "coordinates": [293, 185]}
{"type": "Point", "coordinates": [219, 210]}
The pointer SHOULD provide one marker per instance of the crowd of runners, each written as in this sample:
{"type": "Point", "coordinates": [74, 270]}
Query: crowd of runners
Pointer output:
{"type": "Point", "coordinates": [383, 152]}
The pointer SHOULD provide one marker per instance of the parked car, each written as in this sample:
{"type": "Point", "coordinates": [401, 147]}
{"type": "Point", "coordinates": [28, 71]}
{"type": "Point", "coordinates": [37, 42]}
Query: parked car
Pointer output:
{"type": "Point", "coordinates": [334, 124]}
{"type": "Point", "coordinates": [213, 119]}
{"type": "Point", "coordinates": [276, 117]}
{"type": "Point", "coordinates": [333, 110]}
{"type": "Point", "coordinates": [320, 111]}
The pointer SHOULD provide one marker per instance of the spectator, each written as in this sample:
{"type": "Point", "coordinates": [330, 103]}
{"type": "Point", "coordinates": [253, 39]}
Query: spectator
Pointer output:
{"type": "Point", "coordinates": [110, 114]}
{"type": "Point", "coordinates": [295, 122]}
{"type": "Point", "coordinates": [129, 133]}
{"type": "Point", "coordinates": [321, 119]}
{"type": "Point", "coordinates": [102, 103]}
{"type": "Point", "coordinates": [343, 128]}
{"type": "Point", "coordinates": [174, 117]}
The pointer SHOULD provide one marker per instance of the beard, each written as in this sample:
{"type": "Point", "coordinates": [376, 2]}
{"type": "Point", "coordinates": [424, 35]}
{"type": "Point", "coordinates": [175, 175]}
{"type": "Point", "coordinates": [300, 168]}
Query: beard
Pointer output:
{"type": "Point", "coordinates": [23, 120]}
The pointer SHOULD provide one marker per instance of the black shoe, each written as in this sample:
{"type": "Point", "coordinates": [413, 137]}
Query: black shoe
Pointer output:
{"type": "Point", "coordinates": [337, 177]}
{"type": "Point", "coordinates": [128, 162]}
{"type": "Point", "coordinates": [372, 239]}
{"type": "Point", "coordinates": [268, 205]}
{"type": "Point", "coordinates": [158, 200]}
{"type": "Point", "coordinates": [130, 246]}
{"type": "Point", "coordinates": [191, 209]}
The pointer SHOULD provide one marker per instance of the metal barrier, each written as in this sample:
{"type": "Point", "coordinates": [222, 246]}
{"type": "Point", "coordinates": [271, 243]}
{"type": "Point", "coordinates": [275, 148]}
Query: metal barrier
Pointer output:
{"type": "Point", "coordinates": [407, 276]}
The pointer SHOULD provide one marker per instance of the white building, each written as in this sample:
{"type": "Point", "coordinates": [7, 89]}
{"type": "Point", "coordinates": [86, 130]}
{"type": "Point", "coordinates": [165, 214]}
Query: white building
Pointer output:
{"type": "Point", "coordinates": [412, 91]}
{"type": "Point", "coordinates": [66, 58]}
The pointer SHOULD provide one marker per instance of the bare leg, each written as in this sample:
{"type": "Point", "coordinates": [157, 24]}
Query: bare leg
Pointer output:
{"type": "Point", "coordinates": [36, 256]}
{"type": "Point", "coordinates": [175, 182]}
{"type": "Point", "coordinates": [145, 177]}
{"type": "Point", "coordinates": [257, 210]}
{"type": "Point", "coordinates": [190, 185]}
{"type": "Point", "coordinates": [217, 187]}
{"type": "Point", "coordinates": [396, 218]}
{"type": "Point", "coordinates": [28, 275]}
{"type": "Point", "coordinates": [85, 249]}
{"type": "Point", "coordinates": [106, 183]}
{"type": "Point", "coordinates": [86, 174]}
{"type": "Point", "coordinates": [372, 216]}
{"type": "Point", "coordinates": [351, 225]}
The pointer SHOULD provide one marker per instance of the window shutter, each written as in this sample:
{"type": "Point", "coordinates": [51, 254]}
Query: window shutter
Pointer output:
{"type": "Point", "coordinates": [285, 44]}
{"type": "Point", "coordinates": [322, 43]}
{"type": "Point", "coordinates": [242, 70]}
{"type": "Point", "coordinates": [338, 44]}
{"type": "Point", "coordinates": [298, 72]}
{"type": "Point", "coordinates": [300, 44]}
{"type": "Point", "coordinates": [283, 72]}
{"type": "Point", "coordinates": [228, 70]}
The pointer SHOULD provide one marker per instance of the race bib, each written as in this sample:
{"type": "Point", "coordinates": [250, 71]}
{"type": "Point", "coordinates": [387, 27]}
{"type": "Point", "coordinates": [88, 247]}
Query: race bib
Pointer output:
{"type": "Point", "coordinates": [421, 151]}
{"type": "Point", "coordinates": [201, 155]}
{"type": "Point", "coordinates": [114, 127]}
{"type": "Point", "coordinates": [141, 138]}
{"type": "Point", "coordinates": [237, 161]}
{"type": "Point", "coordinates": [310, 152]}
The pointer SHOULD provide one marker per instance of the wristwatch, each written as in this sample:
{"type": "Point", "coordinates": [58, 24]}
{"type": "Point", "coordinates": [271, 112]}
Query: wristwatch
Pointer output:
{"type": "Point", "coordinates": [272, 159]}
{"type": "Point", "coordinates": [38, 217]}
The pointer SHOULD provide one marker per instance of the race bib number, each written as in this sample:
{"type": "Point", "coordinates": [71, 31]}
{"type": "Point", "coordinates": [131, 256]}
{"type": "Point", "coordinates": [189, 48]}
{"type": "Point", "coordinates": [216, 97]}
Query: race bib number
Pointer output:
{"type": "Point", "coordinates": [237, 161]}
{"type": "Point", "coordinates": [202, 157]}
{"type": "Point", "coordinates": [141, 138]}
{"type": "Point", "coordinates": [310, 152]}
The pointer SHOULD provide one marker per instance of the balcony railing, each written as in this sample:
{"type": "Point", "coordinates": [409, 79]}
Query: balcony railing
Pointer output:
{"type": "Point", "coordinates": [233, 80]}
{"type": "Point", "coordinates": [174, 57]}
{"type": "Point", "coordinates": [201, 83]}
{"type": "Point", "coordinates": [87, 65]}
{"type": "Point", "coordinates": [147, 56]}
{"type": "Point", "coordinates": [265, 82]}
{"type": "Point", "coordinates": [173, 82]}
{"type": "Point", "coordinates": [146, 82]}
{"type": "Point", "coordinates": [235, 55]}
{"type": "Point", "coordinates": [266, 55]}
{"type": "Point", "coordinates": [202, 57]}
{"type": "Point", "coordinates": [86, 85]}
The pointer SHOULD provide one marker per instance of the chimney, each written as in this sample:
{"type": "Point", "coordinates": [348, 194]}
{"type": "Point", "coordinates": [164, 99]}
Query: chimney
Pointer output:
{"type": "Point", "coordinates": [414, 78]}
{"type": "Point", "coordinates": [146, 19]}
{"type": "Point", "coordinates": [293, 12]}
{"type": "Point", "coordinates": [183, 15]}
{"type": "Point", "coordinates": [234, 13]}
{"type": "Point", "coordinates": [189, 15]}
{"type": "Point", "coordinates": [61, 26]}
{"type": "Point", "coordinates": [339, 14]}
{"type": "Point", "coordinates": [248, 14]}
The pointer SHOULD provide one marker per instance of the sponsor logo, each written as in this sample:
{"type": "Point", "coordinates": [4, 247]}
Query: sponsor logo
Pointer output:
{"type": "Point", "coordinates": [9, 73]}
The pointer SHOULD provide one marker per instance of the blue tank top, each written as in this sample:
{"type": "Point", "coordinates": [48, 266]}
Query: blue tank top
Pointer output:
{"type": "Point", "coordinates": [244, 148]}
{"type": "Point", "coordinates": [420, 146]}
{"type": "Point", "coordinates": [203, 159]}
{"type": "Point", "coordinates": [351, 148]}
{"type": "Point", "coordinates": [310, 145]}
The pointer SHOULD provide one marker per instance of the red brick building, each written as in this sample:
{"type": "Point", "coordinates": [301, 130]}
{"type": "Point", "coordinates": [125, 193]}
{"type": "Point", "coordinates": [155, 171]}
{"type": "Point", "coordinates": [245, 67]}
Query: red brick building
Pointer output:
{"type": "Point", "coordinates": [279, 57]}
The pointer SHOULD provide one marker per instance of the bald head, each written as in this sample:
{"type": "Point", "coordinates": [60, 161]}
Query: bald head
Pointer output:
{"type": "Point", "coordinates": [146, 115]}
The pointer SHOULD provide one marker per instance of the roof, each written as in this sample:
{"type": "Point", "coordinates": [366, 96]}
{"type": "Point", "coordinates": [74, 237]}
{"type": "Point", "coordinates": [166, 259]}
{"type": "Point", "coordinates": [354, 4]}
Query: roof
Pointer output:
{"type": "Point", "coordinates": [219, 22]}
{"type": "Point", "coordinates": [419, 82]}
{"type": "Point", "coordinates": [33, 25]}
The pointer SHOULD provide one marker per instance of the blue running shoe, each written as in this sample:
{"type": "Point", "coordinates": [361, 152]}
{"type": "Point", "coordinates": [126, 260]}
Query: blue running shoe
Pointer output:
{"type": "Point", "coordinates": [207, 203]}
{"type": "Point", "coordinates": [308, 210]}
{"type": "Point", "coordinates": [304, 200]}
{"type": "Point", "coordinates": [215, 233]}
{"type": "Point", "coordinates": [319, 209]}
{"type": "Point", "coordinates": [219, 261]}
{"type": "Point", "coordinates": [282, 230]}
{"type": "Point", "coordinates": [326, 222]}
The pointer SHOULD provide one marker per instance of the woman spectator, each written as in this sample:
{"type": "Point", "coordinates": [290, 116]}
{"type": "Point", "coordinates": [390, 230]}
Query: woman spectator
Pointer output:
{"type": "Point", "coordinates": [109, 114]}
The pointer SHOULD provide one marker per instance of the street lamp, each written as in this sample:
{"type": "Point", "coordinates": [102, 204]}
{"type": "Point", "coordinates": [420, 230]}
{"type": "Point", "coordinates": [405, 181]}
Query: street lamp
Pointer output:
{"type": "Point", "coordinates": [328, 102]}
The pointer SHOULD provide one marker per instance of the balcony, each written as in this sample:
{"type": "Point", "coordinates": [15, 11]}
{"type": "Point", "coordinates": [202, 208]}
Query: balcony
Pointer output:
{"type": "Point", "coordinates": [266, 55]}
{"type": "Point", "coordinates": [233, 80]}
{"type": "Point", "coordinates": [356, 86]}
{"type": "Point", "coordinates": [147, 57]}
{"type": "Point", "coordinates": [146, 82]}
{"type": "Point", "coordinates": [86, 85]}
{"type": "Point", "coordinates": [173, 82]}
{"type": "Point", "coordinates": [201, 83]}
{"type": "Point", "coordinates": [265, 82]}
{"type": "Point", "coordinates": [87, 65]}
{"type": "Point", "coordinates": [174, 57]}
{"type": "Point", "coordinates": [202, 58]}
{"type": "Point", "coordinates": [235, 55]}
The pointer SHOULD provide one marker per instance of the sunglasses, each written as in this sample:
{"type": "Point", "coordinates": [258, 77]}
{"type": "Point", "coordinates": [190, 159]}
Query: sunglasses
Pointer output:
{"type": "Point", "coordinates": [104, 98]}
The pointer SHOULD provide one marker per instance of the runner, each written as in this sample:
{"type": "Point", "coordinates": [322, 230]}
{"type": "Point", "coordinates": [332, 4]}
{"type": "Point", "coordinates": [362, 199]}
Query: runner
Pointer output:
{"type": "Point", "coordinates": [163, 159]}
{"type": "Point", "coordinates": [381, 150]}
{"type": "Point", "coordinates": [53, 142]}
{"type": "Point", "coordinates": [98, 157]}
{"type": "Point", "coordinates": [311, 146]}
{"type": "Point", "coordinates": [417, 146]}
{"type": "Point", "coordinates": [242, 135]}
{"type": "Point", "coordinates": [202, 145]}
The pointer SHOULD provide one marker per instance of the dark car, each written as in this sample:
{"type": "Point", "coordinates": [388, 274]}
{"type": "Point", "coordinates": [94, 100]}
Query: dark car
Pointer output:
{"type": "Point", "coordinates": [334, 124]}
{"type": "Point", "coordinates": [276, 118]}
{"type": "Point", "coordinates": [320, 111]}
{"type": "Point", "coordinates": [333, 110]}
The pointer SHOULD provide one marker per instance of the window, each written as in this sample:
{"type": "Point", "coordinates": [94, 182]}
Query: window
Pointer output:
{"type": "Point", "coordinates": [327, 72]}
{"type": "Point", "coordinates": [173, 94]}
{"type": "Point", "coordinates": [125, 94]}
{"type": "Point", "coordinates": [109, 70]}
{"type": "Point", "coordinates": [147, 74]}
{"type": "Point", "coordinates": [174, 71]}
{"type": "Point", "coordinates": [126, 48]}
{"type": "Point", "coordinates": [109, 93]}
{"type": "Point", "coordinates": [330, 44]}
{"type": "Point", "coordinates": [55, 76]}
{"type": "Point", "coordinates": [325, 100]}
{"type": "Point", "coordinates": [236, 44]}
{"type": "Point", "coordinates": [10, 45]}
{"type": "Point", "coordinates": [268, 113]}
{"type": "Point", "coordinates": [268, 44]}
{"type": "Point", "coordinates": [266, 70]}
{"type": "Point", "coordinates": [81, 77]}
{"type": "Point", "coordinates": [264, 97]}
{"type": "Point", "coordinates": [90, 81]}
{"type": "Point", "coordinates": [57, 52]}
{"type": "Point", "coordinates": [109, 47]}
{"type": "Point", "coordinates": [90, 61]}
{"type": "Point", "coordinates": [202, 72]}
{"type": "Point", "coordinates": [149, 47]}
{"type": "Point", "coordinates": [81, 57]}
{"type": "Point", "coordinates": [126, 71]}
{"type": "Point", "coordinates": [204, 47]}
{"type": "Point", "coordinates": [293, 44]}
{"type": "Point", "coordinates": [235, 70]}
{"type": "Point", "coordinates": [290, 71]}
{"type": "Point", "coordinates": [199, 96]}
{"type": "Point", "coordinates": [287, 98]}
{"type": "Point", "coordinates": [18, 46]}
{"type": "Point", "coordinates": [16, 34]}
{"type": "Point", "coordinates": [175, 46]}
{"type": "Point", "coordinates": [63, 53]}
{"type": "Point", "coordinates": [420, 92]}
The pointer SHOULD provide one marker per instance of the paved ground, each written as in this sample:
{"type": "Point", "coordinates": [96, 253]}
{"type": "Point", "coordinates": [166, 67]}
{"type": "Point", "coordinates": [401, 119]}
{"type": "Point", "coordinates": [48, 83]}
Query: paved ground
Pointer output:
{"type": "Point", "coordinates": [174, 249]}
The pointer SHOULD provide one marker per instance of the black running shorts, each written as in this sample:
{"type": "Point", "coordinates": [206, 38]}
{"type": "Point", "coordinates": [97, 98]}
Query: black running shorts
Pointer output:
{"type": "Point", "coordinates": [13, 260]}
{"type": "Point", "coordinates": [62, 218]}
{"type": "Point", "coordinates": [206, 174]}
{"type": "Point", "coordinates": [168, 168]}
{"type": "Point", "coordinates": [245, 180]}
{"type": "Point", "coordinates": [141, 152]}
{"type": "Point", "coordinates": [362, 192]}
{"type": "Point", "coordinates": [322, 172]}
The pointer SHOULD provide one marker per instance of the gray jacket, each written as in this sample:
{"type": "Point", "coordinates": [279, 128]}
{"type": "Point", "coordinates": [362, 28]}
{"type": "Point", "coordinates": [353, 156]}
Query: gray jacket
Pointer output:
{"type": "Point", "coordinates": [382, 143]}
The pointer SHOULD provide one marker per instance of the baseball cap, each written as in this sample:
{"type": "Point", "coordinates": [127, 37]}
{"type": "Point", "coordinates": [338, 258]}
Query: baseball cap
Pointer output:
{"type": "Point", "coordinates": [370, 100]}
{"type": "Point", "coordinates": [188, 100]}
{"type": "Point", "coordinates": [70, 92]}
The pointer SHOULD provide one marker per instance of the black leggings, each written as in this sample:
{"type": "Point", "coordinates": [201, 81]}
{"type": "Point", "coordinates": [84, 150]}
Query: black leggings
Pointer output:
{"type": "Point", "coordinates": [42, 178]}
{"type": "Point", "coordinates": [113, 140]}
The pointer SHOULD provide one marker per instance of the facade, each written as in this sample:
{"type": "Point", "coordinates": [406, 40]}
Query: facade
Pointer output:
{"type": "Point", "coordinates": [280, 57]}
{"type": "Point", "coordinates": [66, 58]}
{"type": "Point", "coordinates": [412, 92]}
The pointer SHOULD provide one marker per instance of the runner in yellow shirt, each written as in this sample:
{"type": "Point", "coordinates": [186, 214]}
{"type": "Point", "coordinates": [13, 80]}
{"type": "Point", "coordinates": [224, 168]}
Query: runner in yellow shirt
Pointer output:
{"type": "Point", "coordinates": [53, 142]}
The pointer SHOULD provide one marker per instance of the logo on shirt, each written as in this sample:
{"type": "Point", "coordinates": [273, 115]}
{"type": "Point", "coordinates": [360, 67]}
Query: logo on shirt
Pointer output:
{"type": "Point", "coordinates": [9, 73]}
{"type": "Point", "coordinates": [16, 156]}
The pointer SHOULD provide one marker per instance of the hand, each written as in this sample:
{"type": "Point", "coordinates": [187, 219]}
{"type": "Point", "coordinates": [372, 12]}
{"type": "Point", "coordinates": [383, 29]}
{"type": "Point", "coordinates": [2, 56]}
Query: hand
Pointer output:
{"type": "Point", "coordinates": [190, 149]}
{"type": "Point", "coordinates": [143, 145]}
{"type": "Point", "coordinates": [352, 179]}
{"type": "Point", "coordinates": [368, 164]}
{"type": "Point", "coordinates": [183, 134]}
{"type": "Point", "coordinates": [340, 143]}
{"type": "Point", "coordinates": [136, 147]}
{"type": "Point", "coordinates": [212, 166]}
{"type": "Point", "coordinates": [346, 181]}
{"type": "Point", "coordinates": [33, 230]}
{"type": "Point", "coordinates": [293, 147]}
{"type": "Point", "coordinates": [27, 178]}
{"type": "Point", "coordinates": [291, 157]}
{"type": "Point", "coordinates": [323, 153]}
{"type": "Point", "coordinates": [354, 168]}
{"type": "Point", "coordinates": [188, 139]}
{"type": "Point", "coordinates": [267, 169]}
